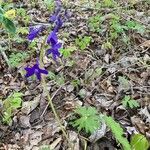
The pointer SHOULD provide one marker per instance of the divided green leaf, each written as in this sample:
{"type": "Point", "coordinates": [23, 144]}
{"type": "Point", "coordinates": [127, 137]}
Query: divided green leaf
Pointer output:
{"type": "Point", "coordinates": [83, 42]}
{"type": "Point", "coordinates": [10, 104]}
{"type": "Point", "coordinates": [139, 142]}
{"type": "Point", "coordinates": [129, 102]}
{"type": "Point", "coordinates": [9, 25]}
{"type": "Point", "coordinates": [88, 119]}
{"type": "Point", "coordinates": [67, 52]}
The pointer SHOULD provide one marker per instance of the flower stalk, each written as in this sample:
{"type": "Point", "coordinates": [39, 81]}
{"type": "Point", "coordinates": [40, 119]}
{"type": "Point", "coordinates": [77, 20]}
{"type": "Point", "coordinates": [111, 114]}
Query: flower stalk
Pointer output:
{"type": "Point", "coordinates": [42, 52]}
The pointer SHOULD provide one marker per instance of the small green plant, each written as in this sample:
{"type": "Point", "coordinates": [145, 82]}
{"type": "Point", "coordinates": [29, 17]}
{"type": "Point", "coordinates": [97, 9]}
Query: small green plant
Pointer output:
{"type": "Point", "coordinates": [45, 147]}
{"type": "Point", "coordinates": [133, 25]}
{"type": "Point", "coordinates": [94, 23]}
{"type": "Point", "coordinates": [50, 5]}
{"type": "Point", "coordinates": [22, 30]}
{"type": "Point", "coordinates": [117, 132]}
{"type": "Point", "coordinates": [12, 103]}
{"type": "Point", "coordinates": [75, 83]}
{"type": "Point", "coordinates": [58, 79]}
{"type": "Point", "coordinates": [108, 3]}
{"type": "Point", "coordinates": [107, 45]}
{"type": "Point", "coordinates": [16, 59]}
{"type": "Point", "coordinates": [129, 102]}
{"type": "Point", "coordinates": [67, 51]}
{"type": "Point", "coordinates": [88, 119]}
{"type": "Point", "coordinates": [117, 28]}
{"type": "Point", "coordinates": [23, 16]}
{"type": "Point", "coordinates": [139, 142]}
{"type": "Point", "coordinates": [51, 75]}
{"type": "Point", "coordinates": [83, 42]}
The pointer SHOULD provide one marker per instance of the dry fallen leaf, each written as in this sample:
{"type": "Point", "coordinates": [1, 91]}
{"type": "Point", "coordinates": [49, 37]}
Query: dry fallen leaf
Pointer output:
{"type": "Point", "coordinates": [146, 44]}
{"type": "Point", "coordinates": [73, 136]}
{"type": "Point", "coordinates": [144, 112]}
{"type": "Point", "coordinates": [98, 133]}
{"type": "Point", "coordinates": [139, 124]}
{"type": "Point", "coordinates": [29, 106]}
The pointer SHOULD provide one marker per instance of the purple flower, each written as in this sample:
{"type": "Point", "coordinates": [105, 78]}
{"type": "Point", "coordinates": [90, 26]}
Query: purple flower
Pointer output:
{"type": "Point", "coordinates": [53, 18]}
{"type": "Point", "coordinates": [34, 31]}
{"type": "Point", "coordinates": [52, 38]}
{"type": "Point", "coordinates": [59, 24]}
{"type": "Point", "coordinates": [35, 70]}
{"type": "Point", "coordinates": [54, 50]}
{"type": "Point", "coordinates": [58, 4]}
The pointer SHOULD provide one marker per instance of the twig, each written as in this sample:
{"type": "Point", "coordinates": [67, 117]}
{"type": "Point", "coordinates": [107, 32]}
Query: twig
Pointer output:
{"type": "Point", "coordinates": [5, 57]}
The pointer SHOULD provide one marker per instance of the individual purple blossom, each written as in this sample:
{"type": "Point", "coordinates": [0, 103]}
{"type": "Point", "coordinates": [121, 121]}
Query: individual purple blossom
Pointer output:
{"type": "Point", "coordinates": [52, 38]}
{"type": "Point", "coordinates": [58, 23]}
{"type": "Point", "coordinates": [35, 70]}
{"type": "Point", "coordinates": [54, 50]}
{"type": "Point", "coordinates": [53, 18]}
{"type": "Point", "coordinates": [58, 3]}
{"type": "Point", "coordinates": [34, 31]}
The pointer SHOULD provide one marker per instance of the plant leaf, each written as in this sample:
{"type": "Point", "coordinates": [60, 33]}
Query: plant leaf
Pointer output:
{"type": "Point", "coordinates": [139, 142]}
{"type": "Point", "coordinates": [9, 25]}
{"type": "Point", "coordinates": [117, 132]}
{"type": "Point", "coordinates": [89, 119]}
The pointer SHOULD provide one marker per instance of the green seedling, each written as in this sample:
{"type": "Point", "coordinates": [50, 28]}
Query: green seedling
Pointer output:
{"type": "Point", "coordinates": [83, 42]}
{"type": "Point", "coordinates": [89, 120]}
{"type": "Point", "coordinates": [50, 5]}
{"type": "Point", "coordinates": [129, 102]}
{"type": "Point", "coordinates": [12, 103]}
{"type": "Point", "coordinates": [16, 58]}
{"type": "Point", "coordinates": [66, 52]}
{"type": "Point", "coordinates": [94, 23]}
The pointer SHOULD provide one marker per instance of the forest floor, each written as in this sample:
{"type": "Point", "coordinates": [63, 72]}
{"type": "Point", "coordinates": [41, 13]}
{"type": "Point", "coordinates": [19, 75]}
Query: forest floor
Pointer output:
{"type": "Point", "coordinates": [106, 66]}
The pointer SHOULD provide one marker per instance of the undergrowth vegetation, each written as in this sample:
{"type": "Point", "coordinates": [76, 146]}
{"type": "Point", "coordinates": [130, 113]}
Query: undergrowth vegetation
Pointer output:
{"type": "Point", "coordinates": [83, 64]}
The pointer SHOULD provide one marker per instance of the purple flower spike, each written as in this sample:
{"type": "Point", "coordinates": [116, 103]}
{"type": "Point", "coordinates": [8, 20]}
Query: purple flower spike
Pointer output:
{"type": "Point", "coordinates": [58, 3]}
{"type": "Point", "coordinates": [52, 38]}
{"type": "Point", "coordinates": [34, 31]}
{"type": "Point", "coordinates": [55, 15]}
{"type": "Point", "coordinates": [54, 51]}
{"type": "Point", "coordinates": [35, 70]}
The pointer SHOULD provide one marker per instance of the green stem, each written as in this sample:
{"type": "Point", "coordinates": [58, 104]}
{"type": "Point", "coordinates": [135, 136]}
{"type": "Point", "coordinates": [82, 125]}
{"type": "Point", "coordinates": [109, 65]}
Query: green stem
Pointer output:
{"type": "Point", "coordinates": [53, 109]}
{"type": "Point", "coordinates": [42, 52]}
